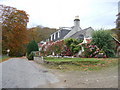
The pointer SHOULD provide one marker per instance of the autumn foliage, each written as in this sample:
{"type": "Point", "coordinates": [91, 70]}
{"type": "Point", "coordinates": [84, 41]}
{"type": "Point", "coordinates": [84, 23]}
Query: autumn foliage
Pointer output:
{"type": "Point", "coordinates": [40, 33]}
{"type": "Point", "coordinates": [14, 30]}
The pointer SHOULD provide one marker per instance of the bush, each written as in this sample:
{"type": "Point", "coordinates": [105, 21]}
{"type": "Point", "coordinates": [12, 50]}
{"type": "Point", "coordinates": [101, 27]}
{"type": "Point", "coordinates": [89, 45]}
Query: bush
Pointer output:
{"type": "Point", "coordinates": [92, 51]}
{"type": "Point", "coordinates": [104, 41]}
{"type": "Point", "coordinates": [32, 46]}
{"type": "Point", "coordinates": [72, 45]}
{"type": "Point", "coordinates": [50, 47]}
{"type": "Point", "coordinates": [67, 47]}
{"type": "Point", "coordinates": [31, 56]}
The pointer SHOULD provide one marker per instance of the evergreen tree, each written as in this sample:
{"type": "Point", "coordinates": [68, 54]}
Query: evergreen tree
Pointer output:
{"type": "Point", "coordinates": [32, 46]}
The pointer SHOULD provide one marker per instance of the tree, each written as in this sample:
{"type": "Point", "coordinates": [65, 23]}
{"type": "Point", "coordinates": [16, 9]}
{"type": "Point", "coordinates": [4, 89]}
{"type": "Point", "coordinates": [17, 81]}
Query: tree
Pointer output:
{"type": "Point", "coordinates": [14, 30]}
{"type": "Point", "coordinates": [40, 33]}
{"type": "Point", "coordinates": [104, 41]}
{"type": "Point", "coordinates": [32, 46]}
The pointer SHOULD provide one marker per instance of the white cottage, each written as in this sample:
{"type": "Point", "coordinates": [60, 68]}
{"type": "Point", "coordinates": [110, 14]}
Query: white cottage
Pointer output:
{"type": "Point", "coordinates": [71, 32]}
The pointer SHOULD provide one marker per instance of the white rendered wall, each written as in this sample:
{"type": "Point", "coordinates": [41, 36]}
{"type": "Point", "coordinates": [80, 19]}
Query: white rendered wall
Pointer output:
{"type": "Point", "coordinates": [119, 7]}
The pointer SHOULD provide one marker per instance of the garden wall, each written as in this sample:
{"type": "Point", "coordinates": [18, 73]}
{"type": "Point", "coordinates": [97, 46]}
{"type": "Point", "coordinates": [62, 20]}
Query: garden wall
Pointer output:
{"type": "Point", "coordinates": [38, 59]}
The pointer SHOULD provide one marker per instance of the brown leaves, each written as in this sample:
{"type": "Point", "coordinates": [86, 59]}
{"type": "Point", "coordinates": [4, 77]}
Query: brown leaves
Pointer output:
{"type": "Point", "coordinates": [14, 30]}
{"type": "Point", "coordinates": [39, 33]}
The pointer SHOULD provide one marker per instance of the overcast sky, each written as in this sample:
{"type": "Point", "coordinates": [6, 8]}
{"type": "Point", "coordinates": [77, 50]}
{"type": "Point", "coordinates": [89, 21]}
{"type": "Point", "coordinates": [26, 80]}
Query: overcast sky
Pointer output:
{"type": "Point", "coordinates": [61, 13]}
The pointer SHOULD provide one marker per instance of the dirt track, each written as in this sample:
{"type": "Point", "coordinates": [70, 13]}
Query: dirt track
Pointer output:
{"type": "Point", "coordinates": [107, 78]}
{"type": "Point", "coordinates": [102, 79]}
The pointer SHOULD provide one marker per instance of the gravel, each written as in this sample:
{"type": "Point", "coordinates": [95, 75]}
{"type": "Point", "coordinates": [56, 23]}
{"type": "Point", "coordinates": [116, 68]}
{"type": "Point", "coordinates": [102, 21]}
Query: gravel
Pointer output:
{"type": "Point", "coordinates": [107, 78]}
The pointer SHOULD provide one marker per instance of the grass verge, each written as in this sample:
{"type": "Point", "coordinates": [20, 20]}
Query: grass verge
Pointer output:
{"type": "Point", "coordinates": [55, 59]}
{"type": "Point", "coordinates": [4, 58]}
{"type": "Point", "coordinates": [76, 64]}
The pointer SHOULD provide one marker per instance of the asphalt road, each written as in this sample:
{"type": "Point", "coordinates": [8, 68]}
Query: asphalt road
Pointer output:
{"type": "Point", "coordinates": [21, 73]}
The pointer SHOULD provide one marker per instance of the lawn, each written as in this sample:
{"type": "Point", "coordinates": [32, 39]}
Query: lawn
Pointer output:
{"type": "Point", "coordinates": [69, 59]}
{"type": "Point", "coordinates": [65, 64]}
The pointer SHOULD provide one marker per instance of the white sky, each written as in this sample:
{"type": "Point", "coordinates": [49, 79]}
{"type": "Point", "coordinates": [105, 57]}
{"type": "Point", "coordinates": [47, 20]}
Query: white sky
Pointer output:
{"type": "Point", "coordinates": [61, 13]}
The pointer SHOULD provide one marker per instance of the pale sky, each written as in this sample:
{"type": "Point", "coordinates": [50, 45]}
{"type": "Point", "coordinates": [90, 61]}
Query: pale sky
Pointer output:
{"type": "Point", "coordinates": [61, 13]}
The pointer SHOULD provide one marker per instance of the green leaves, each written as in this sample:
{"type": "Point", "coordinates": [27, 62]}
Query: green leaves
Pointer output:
{"type": "Point", "coordinates": [72, 44]}
{"type": "Point", "coordinates": [32, 46]}
{"type": "Point", "coordinates": [104, 41]}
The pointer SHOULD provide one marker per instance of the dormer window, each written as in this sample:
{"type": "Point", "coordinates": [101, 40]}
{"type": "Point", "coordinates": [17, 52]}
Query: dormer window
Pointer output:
{"type": "Point", "coordinates": [81, 37]}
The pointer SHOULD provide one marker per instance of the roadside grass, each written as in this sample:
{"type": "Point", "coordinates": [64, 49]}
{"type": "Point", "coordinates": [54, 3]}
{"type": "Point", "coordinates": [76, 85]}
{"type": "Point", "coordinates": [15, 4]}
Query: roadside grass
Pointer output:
{"type": "Point", "coordinates": [55, 59]}
{"type": "Point", "coordinates": [77, 64]}
{"type": "Point", "coordinates": [4, 58]}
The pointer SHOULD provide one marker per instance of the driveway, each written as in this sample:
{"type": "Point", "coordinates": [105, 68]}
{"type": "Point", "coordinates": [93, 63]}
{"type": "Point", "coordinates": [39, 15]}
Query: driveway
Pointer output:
{"type": "Point", "coordinates": [21, 73]}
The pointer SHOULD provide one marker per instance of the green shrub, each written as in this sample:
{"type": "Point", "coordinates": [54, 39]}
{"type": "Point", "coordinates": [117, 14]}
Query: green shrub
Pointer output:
{"type": "Point", "coordinates": [32, 46]}
{"type": "Point", "coordinates": [31, 56]}
{"type": "Point", "coordinates": [70, 41]}
{"type": "Point", "coordinates": [72, 45]}
{"type": "Point", "coordinates": [104, 41]}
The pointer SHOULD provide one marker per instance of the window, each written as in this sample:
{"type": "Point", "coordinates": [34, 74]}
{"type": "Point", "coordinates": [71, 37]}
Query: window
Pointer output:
{"type": "Point", "coordinates": [80, 37]}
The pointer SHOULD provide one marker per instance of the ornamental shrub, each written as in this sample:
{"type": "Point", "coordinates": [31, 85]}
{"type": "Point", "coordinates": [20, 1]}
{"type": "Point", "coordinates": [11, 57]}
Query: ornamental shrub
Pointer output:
{"type": "Point", "coordinates": [72, 45]}
{"type": "Point", "coordinates": [67, 47]}
{"type": "Point", "coordinates": [50, 47]}
{"type": "Point", "coordinates": [92, 51]}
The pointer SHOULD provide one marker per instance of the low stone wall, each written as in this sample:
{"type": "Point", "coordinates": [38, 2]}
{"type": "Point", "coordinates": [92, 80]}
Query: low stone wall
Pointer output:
{"type": "Point", "coordinates": [38, 59]}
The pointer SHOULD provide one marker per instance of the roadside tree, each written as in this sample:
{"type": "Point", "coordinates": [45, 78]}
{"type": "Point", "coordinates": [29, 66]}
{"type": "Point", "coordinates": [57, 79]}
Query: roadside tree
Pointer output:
{"type": "Point", "coordinates": [14, 30]}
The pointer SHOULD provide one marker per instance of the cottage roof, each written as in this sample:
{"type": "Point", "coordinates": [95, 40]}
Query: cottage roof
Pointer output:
{"type": "Point", "coordinates": [73, 31]}
{"type": "Point", "coordinates": [83, 32]}
{"type": "Point", "coordinates": [64, 28]}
